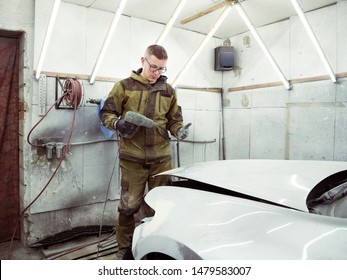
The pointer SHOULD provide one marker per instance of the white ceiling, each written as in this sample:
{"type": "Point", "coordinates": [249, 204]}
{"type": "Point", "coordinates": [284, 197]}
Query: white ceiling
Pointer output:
{"type": "Point", "coordinates": [260, 12]}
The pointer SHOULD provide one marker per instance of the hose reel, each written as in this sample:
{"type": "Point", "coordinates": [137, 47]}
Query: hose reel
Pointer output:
{"type": "Point", "coordinates": [72, 94]}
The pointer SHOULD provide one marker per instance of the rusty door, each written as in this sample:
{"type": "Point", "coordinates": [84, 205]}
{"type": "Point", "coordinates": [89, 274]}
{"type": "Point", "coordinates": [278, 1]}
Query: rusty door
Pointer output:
{"type": "Point", "coordinates": [9, 134]}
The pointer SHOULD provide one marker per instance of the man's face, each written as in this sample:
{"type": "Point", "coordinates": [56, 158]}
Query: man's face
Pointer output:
{"type": "Point", "coordinates": [152, 68]}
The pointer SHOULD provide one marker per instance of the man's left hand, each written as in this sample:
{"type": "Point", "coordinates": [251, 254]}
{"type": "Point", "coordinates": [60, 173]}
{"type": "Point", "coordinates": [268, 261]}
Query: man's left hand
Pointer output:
{"type": "Point", "coordinates": [183, 132]}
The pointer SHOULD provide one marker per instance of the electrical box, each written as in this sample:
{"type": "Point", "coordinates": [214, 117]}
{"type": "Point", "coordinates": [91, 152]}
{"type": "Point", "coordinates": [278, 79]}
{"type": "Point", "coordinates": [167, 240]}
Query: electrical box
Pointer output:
{"type": "Point", "coordinates": [223, 58]}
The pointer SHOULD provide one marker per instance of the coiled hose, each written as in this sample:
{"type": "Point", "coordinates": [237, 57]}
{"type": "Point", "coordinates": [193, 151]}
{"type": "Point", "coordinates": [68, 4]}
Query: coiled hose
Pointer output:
{"type": "Point", "coordinates": [72, 94]}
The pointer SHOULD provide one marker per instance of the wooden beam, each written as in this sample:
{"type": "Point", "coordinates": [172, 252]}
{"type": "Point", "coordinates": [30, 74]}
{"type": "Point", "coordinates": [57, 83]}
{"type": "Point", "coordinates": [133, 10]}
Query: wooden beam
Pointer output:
{"type": "Point", "coordinates": [78, 76]}
{"type": "Point", "coordinates": [266, 85]}
{"type": "Point", "coordinates": [294, 81]}
{"type": "Point", "coordinates": [217, 90]}
{"type": "Point", "coordinates": [62, 75]}
{"type": "Point", "coordinates": [206, 11]}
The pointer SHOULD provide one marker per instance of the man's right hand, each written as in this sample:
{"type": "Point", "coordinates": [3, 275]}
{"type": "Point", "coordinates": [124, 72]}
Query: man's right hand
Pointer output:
{"type": "Point", "coordinates": [126, 129]}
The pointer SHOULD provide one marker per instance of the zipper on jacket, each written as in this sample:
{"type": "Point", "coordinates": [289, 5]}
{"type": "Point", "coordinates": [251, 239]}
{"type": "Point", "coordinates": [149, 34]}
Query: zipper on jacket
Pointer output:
{"type": "Point", "coordinates": [139, 105]}
{"type": "Point", "coordinates": [159, 102]}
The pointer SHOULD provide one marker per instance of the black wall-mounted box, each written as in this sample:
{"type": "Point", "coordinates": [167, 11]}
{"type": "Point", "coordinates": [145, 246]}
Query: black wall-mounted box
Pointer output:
{"type": "Point", "coordinates": [224, 58]}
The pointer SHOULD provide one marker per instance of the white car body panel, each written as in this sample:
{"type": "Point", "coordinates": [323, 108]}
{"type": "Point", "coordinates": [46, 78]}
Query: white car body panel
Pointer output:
{"type": "Point", "coordinates": [196, 224]}
{"type": "Point", "coordinates": [285, 182]}
{"type": "Point", "coordinates": [243, 229]}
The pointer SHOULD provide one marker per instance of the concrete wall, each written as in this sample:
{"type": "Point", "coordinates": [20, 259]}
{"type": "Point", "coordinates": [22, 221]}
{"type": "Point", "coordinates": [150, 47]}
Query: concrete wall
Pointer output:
{"type": "Point", "coordinates": [307, 122]}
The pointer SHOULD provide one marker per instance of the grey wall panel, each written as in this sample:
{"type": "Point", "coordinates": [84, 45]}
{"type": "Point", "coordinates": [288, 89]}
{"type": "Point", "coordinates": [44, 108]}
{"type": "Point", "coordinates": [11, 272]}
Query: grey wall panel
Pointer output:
{"type": "Point", "coordinates": [268, 130]}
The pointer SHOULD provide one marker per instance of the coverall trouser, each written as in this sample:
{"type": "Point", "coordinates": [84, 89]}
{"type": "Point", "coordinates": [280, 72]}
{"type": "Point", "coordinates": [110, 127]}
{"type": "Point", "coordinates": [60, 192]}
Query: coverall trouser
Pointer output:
{"type": "Point", "coordinates": [135, 178]}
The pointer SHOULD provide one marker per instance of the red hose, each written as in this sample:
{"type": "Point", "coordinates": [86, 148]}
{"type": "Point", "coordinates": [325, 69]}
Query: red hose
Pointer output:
{"type": "Point", "coordinates": [73, 95]}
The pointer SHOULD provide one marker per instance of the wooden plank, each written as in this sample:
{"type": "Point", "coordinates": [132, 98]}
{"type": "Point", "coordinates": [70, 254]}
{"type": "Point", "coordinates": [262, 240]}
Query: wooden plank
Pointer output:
{"type": "Point", "coordinates": [342, 75]}
{"type": "Point", "coordinates": [78, 76]}
{"type": "Point", "coordinates": [108, 257]}
{"type": "Point", "coordinates": [266, 85]}
{"type": "Point", "coordinates": [77, 247]}
{"type": "Point", "coordinates": [310, 79]}
{"type": "Point", "coordinates": [294, 81]}
{"type": "Point", "coordinates": [109, 79]}
{"type": "Point", "coordinates": [108, 253]}
{"type": "Point", "coordinates": [205, 12]}
{"type": "Point", "coordinates": [217, 90]}
{"type": "Point", "coordinates": [87, 253]}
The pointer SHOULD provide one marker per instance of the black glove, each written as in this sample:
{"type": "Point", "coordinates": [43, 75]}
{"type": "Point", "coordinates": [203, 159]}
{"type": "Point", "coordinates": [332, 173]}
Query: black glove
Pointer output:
{"type": "Point", "coordinates": [183, 132]}
{"type": "Point", "coordinates": [126, 129]}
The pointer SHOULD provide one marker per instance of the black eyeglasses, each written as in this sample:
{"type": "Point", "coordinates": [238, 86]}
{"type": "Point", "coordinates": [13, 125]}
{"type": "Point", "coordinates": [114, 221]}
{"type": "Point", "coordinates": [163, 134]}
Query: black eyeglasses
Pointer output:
{"type": "Point", "coordinates": [154, 68]}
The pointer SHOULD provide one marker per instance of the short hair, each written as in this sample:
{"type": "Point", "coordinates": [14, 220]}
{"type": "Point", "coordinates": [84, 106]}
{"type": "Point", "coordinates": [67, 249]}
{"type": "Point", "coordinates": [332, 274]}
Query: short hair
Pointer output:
{"type": "Point", "coordinates": [156, 50]}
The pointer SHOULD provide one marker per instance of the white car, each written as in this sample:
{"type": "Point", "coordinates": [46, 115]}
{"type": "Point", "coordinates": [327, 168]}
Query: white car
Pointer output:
{"type": "Point", "coordinates": [248, 210]}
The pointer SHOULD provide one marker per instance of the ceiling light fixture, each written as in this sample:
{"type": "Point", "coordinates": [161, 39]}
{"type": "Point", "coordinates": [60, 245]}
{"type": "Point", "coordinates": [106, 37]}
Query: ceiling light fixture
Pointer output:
{"type": "Point", "coordinates": [313, 38]}
{"type": "Point", "coordinates": [202, 45]}
{"type": "Point", "coordinates": [107, 40]}
{"type": "Point", "coordinates": [262, 45]}
{"type": "Point", "coordinates": [171, 22]}
{"type": "Point", "coordinates": [47, 38]}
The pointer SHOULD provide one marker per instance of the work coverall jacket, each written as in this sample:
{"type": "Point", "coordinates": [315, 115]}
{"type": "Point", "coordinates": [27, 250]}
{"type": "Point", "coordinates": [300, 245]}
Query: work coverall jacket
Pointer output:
{"type": "Point", "coordinates": [156, 101]}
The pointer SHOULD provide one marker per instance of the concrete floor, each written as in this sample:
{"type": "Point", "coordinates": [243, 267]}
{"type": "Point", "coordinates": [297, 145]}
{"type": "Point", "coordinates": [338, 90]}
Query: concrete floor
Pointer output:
{"type": "Point", "coordinates": [19, 251]}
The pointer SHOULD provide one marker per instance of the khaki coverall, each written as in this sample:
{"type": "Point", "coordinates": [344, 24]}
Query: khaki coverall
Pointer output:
{"type": "Point", "coordinates": [148, 152]}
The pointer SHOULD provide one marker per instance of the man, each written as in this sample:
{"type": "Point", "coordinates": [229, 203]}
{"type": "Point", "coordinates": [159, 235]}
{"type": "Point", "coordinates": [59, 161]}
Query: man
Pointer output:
{"type": "Point", "coordinates": [143, 152]}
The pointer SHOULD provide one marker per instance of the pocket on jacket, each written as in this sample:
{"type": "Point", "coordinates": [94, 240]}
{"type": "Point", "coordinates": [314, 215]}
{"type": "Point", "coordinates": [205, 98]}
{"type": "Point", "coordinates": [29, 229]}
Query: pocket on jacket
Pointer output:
{"type": "Point", "coordinates": [163, 132]}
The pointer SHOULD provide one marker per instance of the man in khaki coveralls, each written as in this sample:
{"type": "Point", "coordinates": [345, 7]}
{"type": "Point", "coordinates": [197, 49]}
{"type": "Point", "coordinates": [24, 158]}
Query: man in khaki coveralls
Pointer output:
{"type": "Point", "coordinates": [143, 151]}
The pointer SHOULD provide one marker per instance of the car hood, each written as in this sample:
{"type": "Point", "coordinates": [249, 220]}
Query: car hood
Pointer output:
{"type": "Point", "coordinates": [285, 182]}
{"type": "Point", "coordinates": [194, 224]}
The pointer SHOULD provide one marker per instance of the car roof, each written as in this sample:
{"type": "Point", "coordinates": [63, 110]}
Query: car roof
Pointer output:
{"type": "Point", "coordinates": [285, 182]}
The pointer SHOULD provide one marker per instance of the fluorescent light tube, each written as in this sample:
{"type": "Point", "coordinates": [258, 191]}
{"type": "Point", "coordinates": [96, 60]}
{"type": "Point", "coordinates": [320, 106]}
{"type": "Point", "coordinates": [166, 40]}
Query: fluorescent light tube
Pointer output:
{"type": "Point", "coordinates": [202, 45]}
{"type": "Point", "coordinates": [47, 38]}
{"type": "Point", "coordinates": [313, 38]}
{"type": "Point", "coordinates": [262, 45]}
{"type": "Point", "coordinates": [107, 40]}
{"type": "Point", "coordinates": [171, 22]}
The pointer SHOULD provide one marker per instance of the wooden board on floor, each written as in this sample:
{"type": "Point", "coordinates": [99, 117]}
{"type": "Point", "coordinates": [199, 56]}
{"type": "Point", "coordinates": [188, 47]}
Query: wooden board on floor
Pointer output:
{"type": "Point", "coordinates": [82, 248]}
